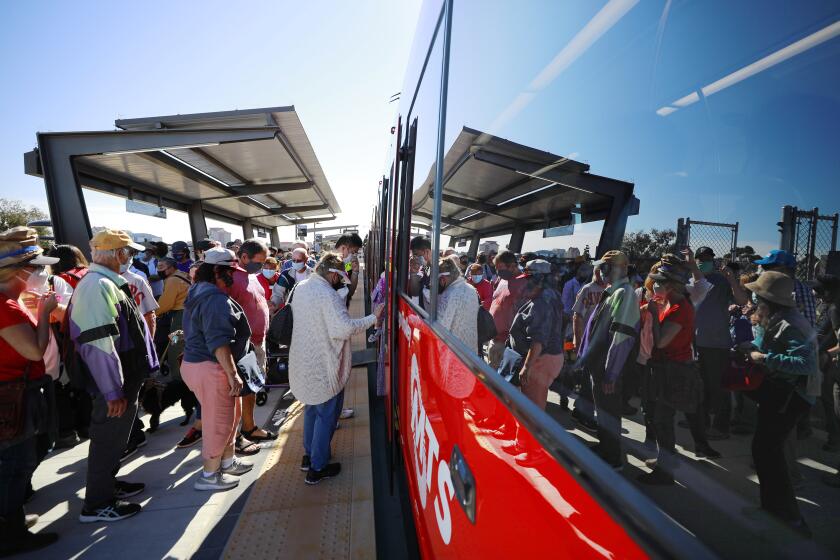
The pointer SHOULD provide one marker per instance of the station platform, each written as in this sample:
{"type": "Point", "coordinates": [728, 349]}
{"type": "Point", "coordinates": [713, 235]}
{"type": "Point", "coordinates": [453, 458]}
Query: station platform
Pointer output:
{"type": "Point", "coordinates": [271, 514]}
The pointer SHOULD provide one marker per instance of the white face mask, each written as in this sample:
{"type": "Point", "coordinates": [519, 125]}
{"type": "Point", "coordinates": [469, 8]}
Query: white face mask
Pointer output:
{"type": "Point", "coordinates": [124, 268]}
{"type": "Point", "coordinates": [348, 258]}
{"type": "Point", "coordinates": [268, 273]}
{"type": "Point", "coordinates": [343, 292]}
{"type": "Point", "coordinates": [37, 281]}
{"type": "Point", "coordinates": [298, 266]}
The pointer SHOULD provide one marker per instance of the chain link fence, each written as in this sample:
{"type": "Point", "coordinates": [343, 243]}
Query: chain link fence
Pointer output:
{"type": "Point", "coordinates": [810, 236]}
{"type": "Point", "coordinates": [722, 238]}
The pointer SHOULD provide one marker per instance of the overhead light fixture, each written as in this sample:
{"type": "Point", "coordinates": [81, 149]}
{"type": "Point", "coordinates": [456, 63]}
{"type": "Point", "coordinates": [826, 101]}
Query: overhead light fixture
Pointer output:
{"type": "Point", "coordinates": [194, 168]}
{"type": "Point", "coordinates": [145, 150]}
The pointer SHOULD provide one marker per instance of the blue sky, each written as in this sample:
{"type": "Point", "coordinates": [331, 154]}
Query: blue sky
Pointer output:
{"type": "Point", "coordinates": [81, 65]}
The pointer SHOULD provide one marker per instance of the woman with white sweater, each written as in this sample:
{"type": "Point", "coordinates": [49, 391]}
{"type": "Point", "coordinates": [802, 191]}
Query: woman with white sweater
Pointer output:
{"type": "Point", "coordinates": [320, 359]}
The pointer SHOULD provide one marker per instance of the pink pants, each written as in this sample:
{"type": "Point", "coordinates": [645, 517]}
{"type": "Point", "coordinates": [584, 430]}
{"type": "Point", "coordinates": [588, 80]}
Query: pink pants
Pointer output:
{"type": "Point", "coordinates": [220, 413]}
{"type": "Point", "coordinates": [542, 373]}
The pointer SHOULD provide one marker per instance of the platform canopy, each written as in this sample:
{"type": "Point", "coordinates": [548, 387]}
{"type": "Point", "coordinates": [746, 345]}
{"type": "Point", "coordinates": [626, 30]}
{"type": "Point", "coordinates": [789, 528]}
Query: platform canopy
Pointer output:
{"type": "Point", "coordinates": [492, 186]}
{"type": "Point", "coordinates": [255, 167]}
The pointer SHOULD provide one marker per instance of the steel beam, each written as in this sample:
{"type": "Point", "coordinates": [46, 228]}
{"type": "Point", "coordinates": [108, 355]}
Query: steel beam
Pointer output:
{"type": "Point", "coordinates": [475, 205]}
{"type": "Point", "coordinates": [64, 194]}
{"type": "Point", "coordinates": [268, 188]}
{"type": "Point", "coordinates": [248, 228]}
{"type": "Point", "coordinates": [311, 220]}
{"type": "Point", "coordinates": [516, 239]}
{"type": "Point", "coordinates": [275, 237]}
{"type": "Point", "coordinates": [198, 225]}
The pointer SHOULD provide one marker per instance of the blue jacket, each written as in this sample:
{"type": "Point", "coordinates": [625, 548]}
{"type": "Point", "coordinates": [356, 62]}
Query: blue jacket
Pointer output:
{"type": "Point", "coordinates": [212, 320]}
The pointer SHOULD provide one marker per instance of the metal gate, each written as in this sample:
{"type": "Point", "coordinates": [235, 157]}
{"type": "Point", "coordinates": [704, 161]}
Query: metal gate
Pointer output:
{"type": "Point", "coordinates": [722, 238]}
{"type": "Point", "coordinates": [810, 237]}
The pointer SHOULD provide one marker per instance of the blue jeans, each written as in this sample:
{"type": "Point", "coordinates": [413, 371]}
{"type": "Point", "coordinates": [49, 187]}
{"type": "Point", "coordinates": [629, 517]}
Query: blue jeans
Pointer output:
{"type": "Point", "coordinates": [319, 423]}
{"type": "Point", "coordinates": [17, 463]}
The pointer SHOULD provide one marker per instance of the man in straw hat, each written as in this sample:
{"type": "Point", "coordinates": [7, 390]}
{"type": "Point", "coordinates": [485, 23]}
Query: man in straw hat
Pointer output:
{"type": "Point", "coordinates": [608, 339]}
{"type": "Point", "coordinates": [116, 348]}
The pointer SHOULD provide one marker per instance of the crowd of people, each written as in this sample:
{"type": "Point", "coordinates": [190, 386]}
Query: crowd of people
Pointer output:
{"type": "Point", "coordinates": [695, 335]}
{"type": "Point", "coordinates": [87, 344]}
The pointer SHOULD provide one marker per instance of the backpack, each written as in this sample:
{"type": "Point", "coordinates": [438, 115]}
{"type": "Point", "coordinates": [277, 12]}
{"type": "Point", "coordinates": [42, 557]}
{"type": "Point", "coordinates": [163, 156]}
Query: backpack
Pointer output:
{"type": "Point", "coordinates": [280, 328]}
{"type": "Point", "coordinates": [73, 276]}
{"type": "Point", "coordinates": [486, 325]}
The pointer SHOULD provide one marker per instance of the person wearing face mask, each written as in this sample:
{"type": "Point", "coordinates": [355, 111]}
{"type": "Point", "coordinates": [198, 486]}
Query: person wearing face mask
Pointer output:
{"type": "Point", "coordinates": [181, 254]}
{"type": "Point", "coordinates": [788, 353]}
{"type": "Point", "coordinates": [143, 296]}
{"type": "Point", "coordinates": [348, 247]}
{"type": "Point", "coordinates": [268, 277]}
{"type": "Point", "coordinates": [203, 246]}
{"type": "Point", "coordinates": [571, 289]}
{"type": "Point", "coordinates": [320, 359]}
{"type": "Point", "coordinates": [713, 342]}
{"type": "Point", "coordinates": [585, 303]}
{"type": "Point", "coordinates": [507, 298]}
{"type": "Point", "coordinates": [217, 335]}
{"type": "Point", "coordinates": [115, 346]}
{"type": "Point", "coordinates": [23, 343]}
{"type": "Point", "coordinates": [670, 316]}
{"type": "Point", "coordinates": [419, 267]}
{"type": "Point", "coordinates": [297, 272]}
{"type": "Point", "coordinates": [249, 294]}
{"type": "Point", "coordinates": [458, 303]}
{"type": "Point", "coordinates": [608, 340]}
{"type": "Point", "coordinates": [476, 279]}
{"type": "Point", "coordinates": [176, 285]}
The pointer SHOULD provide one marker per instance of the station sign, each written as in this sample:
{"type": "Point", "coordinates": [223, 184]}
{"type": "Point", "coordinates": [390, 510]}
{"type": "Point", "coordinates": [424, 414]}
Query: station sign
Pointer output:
{"type": "Point", "coordinates": [145, 208]}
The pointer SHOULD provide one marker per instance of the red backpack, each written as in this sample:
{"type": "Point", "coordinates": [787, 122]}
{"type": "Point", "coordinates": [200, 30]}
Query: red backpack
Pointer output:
{"type": "Point", "coordinates": [73, 275]}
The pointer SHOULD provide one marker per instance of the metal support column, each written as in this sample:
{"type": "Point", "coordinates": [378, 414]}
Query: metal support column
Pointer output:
{"type": "Point", "coordinates": [733, 255]}
{"type": "Point", "coordinates": [812, 243]}
{"type": "Point", "coordinates": [198, 226]}
{"type": "Point", "coordinates": [473, 250]}
{"type": "Point", "coordinates": [247, 228]}
{"type": "Point", "coordinates": [787, 229]}
{"type": "Point", "coordinates": [516, 239]}
{"type": "Point", "coordinates": [275, 237]}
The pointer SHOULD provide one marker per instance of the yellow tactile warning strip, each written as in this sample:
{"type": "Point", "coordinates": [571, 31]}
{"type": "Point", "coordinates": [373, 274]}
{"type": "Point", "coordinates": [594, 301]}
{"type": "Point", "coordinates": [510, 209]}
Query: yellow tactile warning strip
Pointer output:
{"type": "Point", "coordinates": [285, 518]}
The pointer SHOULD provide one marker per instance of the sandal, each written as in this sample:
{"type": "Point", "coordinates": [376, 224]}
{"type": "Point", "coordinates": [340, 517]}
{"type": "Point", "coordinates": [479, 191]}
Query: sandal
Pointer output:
{"type": "Point", "coordinates": [269, 436]}
{"type": "Point", "coordinates": [245, 447]}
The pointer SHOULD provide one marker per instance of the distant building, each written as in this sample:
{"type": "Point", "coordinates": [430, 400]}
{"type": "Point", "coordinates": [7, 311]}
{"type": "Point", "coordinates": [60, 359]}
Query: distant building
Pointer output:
{"type": "Point", "coordinates": [219, 234]}
{"type": "Point", "coordinates": [489, 247]}
{"type": "Point", "coordinates": [572, 253]}
{"type": "Point", "coordinates": [145, 237]}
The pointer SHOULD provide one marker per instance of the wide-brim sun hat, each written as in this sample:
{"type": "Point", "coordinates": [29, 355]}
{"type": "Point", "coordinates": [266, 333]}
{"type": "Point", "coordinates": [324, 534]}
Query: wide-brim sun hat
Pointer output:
{"type": "Point", "coordinates": [19, 247]}
{"type": "Point", "coordinates": [774, 286]}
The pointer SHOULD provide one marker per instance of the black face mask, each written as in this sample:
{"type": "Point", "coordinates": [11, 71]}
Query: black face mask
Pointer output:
{"type": "Point", "coordinates": [253, 267]}
{"type": "Point", "coordinates": [163, 274]}
{"type": "Point", "coordinates": [505, 274]}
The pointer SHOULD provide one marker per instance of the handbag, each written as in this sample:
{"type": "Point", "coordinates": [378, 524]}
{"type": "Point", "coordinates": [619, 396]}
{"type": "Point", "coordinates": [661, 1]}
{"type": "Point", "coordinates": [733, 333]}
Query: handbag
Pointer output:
{"type": "Point", "coordinates": [742, 375]}
{"type": "Point", "coordinates": [510, 365]}
{"type": "Point", "coordinates": [486, 325]}
{"type": "Point", "coordinates": [280, 328]}
{"type": "Point", "coordinates": [250, 371]}
{"type": "Point", "coordinates": [12, 405]}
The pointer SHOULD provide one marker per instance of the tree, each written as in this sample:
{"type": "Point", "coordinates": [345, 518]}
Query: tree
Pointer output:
{"type": "Point", "coordinates": [15, 213]}
{"type": "Point", "coordinates": [638, 245]}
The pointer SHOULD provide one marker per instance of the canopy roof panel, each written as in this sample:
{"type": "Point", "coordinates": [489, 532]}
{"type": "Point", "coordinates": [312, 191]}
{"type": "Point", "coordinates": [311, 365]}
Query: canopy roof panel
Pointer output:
{"type": "Point", "coordinates": [492, 185]}
{"type": "Point", "coordinates": [253, 164]}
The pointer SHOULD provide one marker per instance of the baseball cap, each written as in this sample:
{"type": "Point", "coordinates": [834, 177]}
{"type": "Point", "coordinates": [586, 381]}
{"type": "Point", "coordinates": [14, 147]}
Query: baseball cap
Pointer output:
{"type": "Point", "coordinates": [108, 239]}
{"type": "Point", "coordinates": [778, 257]}
{"type": "Point", "coordinates": [536, 266]}
{"type": "Point", "coordinates": [612, 257]}
{"type": "Point", "coordinates": [222, 257]}
{"type": "Point", "coordinates": [19, 245]}
{"type": "Point", "coordinates": [180, 246]}
{"type": "Point", "coordinates": [704, 252]}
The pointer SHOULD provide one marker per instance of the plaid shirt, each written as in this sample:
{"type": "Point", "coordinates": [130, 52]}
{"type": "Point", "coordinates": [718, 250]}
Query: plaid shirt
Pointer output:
{"type": "Point", "coordinates": [805, 301]}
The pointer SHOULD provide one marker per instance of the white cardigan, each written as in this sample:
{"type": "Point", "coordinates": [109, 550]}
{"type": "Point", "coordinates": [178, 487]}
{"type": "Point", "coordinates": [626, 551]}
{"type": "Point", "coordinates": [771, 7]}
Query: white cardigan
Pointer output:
{"type": "Point", "coordinates": [319, 356]}
{"type": "Point", "coordinates": [458, 311]}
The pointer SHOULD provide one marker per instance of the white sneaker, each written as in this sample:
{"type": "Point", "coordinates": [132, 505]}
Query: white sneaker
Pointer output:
{"type": "Point", "coordinates": [238, 468]}
{"type": "Point", "coordinates": [347, 413]}
{"type": "Point", "coordinates": [219, 481]}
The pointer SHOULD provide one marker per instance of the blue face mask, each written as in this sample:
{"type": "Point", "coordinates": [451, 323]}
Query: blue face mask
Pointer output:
{"type": "Point", "coordinates": [298, 265]}
{"type": "Point", "coordinates": [268, 273]}
{"type": "Point", "coordinates": [476, 278]}
{"type": "Point", "coordinates": [706, 266]}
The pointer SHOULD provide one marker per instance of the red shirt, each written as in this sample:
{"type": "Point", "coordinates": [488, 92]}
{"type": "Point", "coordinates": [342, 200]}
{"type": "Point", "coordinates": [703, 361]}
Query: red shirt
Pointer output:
{"type": "Point", "coordinates": [248, 293]}
{"type": "Point", "coordinates": [679, 349]}
{"type": "Point", "coordinates": [485, 293]}
{"type": "Point", "coordinates": [506, 302]}
{"type": "Point", "coordinates": [266, 284]}
{"type": "Point", "coordinates": [13, 364]}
